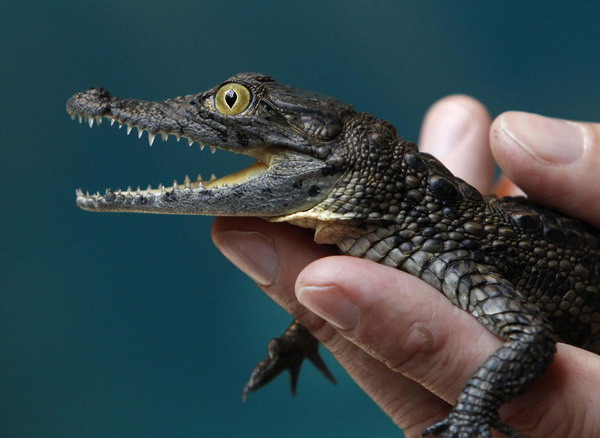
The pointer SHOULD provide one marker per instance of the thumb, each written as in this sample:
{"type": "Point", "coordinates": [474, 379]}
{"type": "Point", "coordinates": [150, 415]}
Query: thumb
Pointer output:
{"type": "Point", "coordinates": [555, 161]}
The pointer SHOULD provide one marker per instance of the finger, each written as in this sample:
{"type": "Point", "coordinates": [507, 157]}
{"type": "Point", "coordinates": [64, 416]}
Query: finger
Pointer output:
{"type": "Point", "coordinates": [456, 131]}
{"type": "Point", "coordinates": [556, 162]}
{"type": "Point", "coordinates": [414, 330]}
{"type": "Point", "coordinates": [285, 250]}
{"type": "Point", "coordinates": [398, 319]}
{"type": "Point", "coordinates": [271, 254]}
{"type": "Point", "coordinates": [559, 404]}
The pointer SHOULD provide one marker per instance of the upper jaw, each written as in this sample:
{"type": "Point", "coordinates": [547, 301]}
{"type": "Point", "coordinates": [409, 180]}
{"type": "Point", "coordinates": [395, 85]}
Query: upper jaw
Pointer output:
{"type": "Point", "coordinates": [185, 117]}
{"type": "Point", "coordinates": [169, 117]}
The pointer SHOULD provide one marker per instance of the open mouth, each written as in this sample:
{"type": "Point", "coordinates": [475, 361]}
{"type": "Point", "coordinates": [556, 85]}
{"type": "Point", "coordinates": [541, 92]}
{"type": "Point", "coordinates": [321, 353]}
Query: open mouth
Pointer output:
{"type": "Point", "coordinates": [264, 158]}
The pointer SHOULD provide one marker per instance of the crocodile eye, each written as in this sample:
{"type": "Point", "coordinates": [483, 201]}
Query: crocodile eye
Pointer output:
{"type": "Point", "coordinates": [232, 99]}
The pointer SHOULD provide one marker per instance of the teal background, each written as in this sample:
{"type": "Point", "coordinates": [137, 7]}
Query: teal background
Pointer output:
{"type": "Point", "coordinates": [134, 325]}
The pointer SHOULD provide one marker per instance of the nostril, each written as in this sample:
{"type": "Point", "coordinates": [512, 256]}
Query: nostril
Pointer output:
{"type": "Point", "coordinates": [97, 92]}
{"type": "Point", "coordinates": [92, 102]}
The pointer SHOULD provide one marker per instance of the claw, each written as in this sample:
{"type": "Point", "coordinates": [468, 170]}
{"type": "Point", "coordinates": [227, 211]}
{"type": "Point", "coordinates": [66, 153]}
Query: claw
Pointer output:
{"type": "Point", "coordinates": [287, 353]}
{"type": "Point", "coordinates": [469, 425]}
{"type": "Point", "coordinates": [318, 362]}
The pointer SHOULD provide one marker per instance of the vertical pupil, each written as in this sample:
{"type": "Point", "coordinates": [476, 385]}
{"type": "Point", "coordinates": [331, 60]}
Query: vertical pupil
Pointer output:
{"type": "Point", "coordinates": [230, 98]}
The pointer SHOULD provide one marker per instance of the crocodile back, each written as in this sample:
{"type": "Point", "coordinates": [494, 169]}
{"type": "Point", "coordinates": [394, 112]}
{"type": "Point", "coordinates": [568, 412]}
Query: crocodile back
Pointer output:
{"type": "Point", "coordinates": [555, 262]}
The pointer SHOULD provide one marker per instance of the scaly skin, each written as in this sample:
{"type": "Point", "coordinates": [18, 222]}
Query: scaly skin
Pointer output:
{"type": "Point", "coordinates": [528, 274]}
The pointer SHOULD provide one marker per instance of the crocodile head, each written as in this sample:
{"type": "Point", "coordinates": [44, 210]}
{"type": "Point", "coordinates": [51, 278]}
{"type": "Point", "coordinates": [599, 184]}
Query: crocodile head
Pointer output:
{"type": "Point", "coordinates": [306, 148]}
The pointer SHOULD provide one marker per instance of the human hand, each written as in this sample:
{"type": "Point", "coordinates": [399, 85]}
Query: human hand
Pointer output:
{"type": "Point", "coordinates": [400, 339]}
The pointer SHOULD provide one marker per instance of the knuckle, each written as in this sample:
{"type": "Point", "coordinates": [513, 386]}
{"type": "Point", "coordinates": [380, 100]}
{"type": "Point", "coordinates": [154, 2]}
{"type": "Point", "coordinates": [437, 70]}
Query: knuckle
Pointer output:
{"type": "Point", "coordinates": [419, 348]}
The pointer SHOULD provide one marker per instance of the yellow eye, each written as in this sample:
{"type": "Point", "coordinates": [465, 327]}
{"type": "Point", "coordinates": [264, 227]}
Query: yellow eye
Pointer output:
{"type": "Point", "coordinates": [232, 99]}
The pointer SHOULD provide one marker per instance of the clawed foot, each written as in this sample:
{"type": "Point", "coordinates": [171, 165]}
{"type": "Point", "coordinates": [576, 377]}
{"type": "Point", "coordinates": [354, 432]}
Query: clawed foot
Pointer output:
{"type": "Point", "coordinates": [464, 425]}
{"type": "Point", "coordinates": [287, 353]}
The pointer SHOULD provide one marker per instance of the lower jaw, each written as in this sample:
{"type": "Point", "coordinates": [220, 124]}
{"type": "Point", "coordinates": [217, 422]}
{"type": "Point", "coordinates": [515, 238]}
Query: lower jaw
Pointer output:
{"type": "Point", "coordinates": [239, 177]}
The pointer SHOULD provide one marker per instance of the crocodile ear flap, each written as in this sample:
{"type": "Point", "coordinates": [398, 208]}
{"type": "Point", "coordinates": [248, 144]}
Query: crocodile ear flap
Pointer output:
{"type": "Point", "coordinates": [320, 117]}
{"type": "Point", "coordinates": [316, 125]}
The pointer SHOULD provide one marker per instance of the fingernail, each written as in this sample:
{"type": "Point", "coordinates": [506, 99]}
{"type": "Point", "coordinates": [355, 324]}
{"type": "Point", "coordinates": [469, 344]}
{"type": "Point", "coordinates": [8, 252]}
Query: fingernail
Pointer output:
{"type": "Point", "coordinates": [549, 140]}
{"type": "Point", "coordinates": [252, 252]}
{"type": "Point", "coordinates": [447, 126]}
{"type": "Point", "coordinates": [331, 304]}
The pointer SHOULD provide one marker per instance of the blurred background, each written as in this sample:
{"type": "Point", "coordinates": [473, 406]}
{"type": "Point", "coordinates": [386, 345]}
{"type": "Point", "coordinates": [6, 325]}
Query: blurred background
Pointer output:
{"type": "Point", "coordinates": [134, 325]}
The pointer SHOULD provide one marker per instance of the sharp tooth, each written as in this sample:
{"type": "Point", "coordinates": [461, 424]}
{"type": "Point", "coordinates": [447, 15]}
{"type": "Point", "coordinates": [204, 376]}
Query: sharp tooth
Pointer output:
{"type": "Point", "coordinates": [175, 184]}
{"type": "Point", "coordinates": [129, 128]}
{"type": "Point", "coordinates": [178, 137]}
{"type": "Point", "coordinates": [87, 195]}
{"type": "Point", "coordinates": [97, 195]}
{"type": "Point", "coordinates": [164, 136]}
{"type": "Point", "coordinates": [128, 189]}
{"type": "Point", "coordinates": [112, 122]}
{"type": "Point", "coordinates": [151, 138]}
{"type": "Point", "coordinates": [119, 192]}
{"type": "Point", "coordinates": [98, 120]}
{"type": "Point", "coordinates": [138, 191]}
{"type": "Point", "coordinates": [213, 149]}
{"type": "Point", "coordinates": [78, 193]}
{"type": "Point", "coordinates": [149, 188]}
{"type": "Point", "coordinates": [161, 188]}
{"type": "Point", "coordinates": [190, 142]}
{"type": "Point", "coordinates": [80, 117]}
{"type": "Point", "coordinates": [213, 177]}
{"type": "Point", "coordinates": [91, 121]}
{"type": "Point", "coordinates": [140, 132]}
{"type": "Point", "coordinates": [202, 147]}
{"type": "Point", "coordinates": [72, 116]}
{"type": "Point", "coordinates": [187, 182]}
{"type": "Point", "coordinates": [199, 178]}
{"type": "Point", "coordinates": [120, 125]}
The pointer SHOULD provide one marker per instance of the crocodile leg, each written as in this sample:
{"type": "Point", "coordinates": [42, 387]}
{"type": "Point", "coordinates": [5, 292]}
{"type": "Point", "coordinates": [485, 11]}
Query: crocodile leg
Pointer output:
{"type": "Point", "coordinates": [287, 352]}
{"type": "Point", "coordinates": [528, 350]}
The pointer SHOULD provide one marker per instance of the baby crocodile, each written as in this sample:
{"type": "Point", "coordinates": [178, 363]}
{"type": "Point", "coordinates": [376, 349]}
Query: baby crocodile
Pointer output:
{"type": "Point", "coordinates": [529, 274]}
